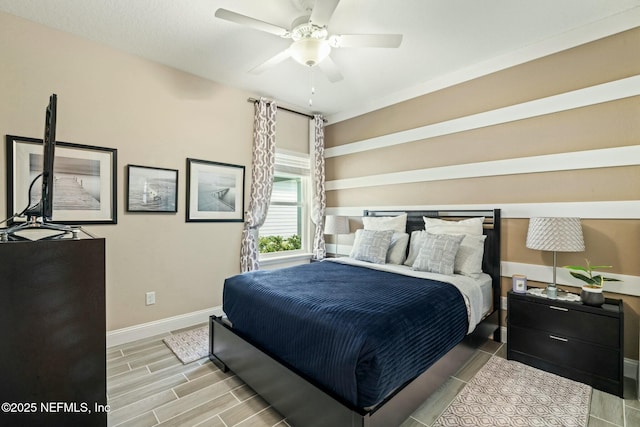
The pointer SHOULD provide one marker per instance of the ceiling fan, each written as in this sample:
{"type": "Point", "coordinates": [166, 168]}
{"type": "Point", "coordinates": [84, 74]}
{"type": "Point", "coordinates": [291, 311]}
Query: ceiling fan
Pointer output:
{"type": "Point", "coordinates": [312, 43]}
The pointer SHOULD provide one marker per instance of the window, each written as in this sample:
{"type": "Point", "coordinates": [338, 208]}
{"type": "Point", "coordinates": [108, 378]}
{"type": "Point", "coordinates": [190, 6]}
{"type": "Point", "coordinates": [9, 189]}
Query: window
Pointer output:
{"type": "Point", "coordinates": [286, 229]}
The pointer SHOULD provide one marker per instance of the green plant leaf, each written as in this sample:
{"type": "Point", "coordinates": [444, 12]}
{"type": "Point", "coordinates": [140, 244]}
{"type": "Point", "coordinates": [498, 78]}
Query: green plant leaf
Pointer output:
{"type": "Point", "coordinates": [584, 278]}
{"type": "Point", "coordinates": [576, 267]}
{"type": "Point", "coordinates": [597, 280]}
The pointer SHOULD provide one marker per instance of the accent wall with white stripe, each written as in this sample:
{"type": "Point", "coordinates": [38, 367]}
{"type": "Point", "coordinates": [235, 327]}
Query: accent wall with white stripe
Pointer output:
{"type": "Point", "coordinates": [557, 135]}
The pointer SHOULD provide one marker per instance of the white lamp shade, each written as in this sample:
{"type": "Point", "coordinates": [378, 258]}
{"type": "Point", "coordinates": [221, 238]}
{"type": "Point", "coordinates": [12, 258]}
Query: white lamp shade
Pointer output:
{"type": "Point", "coordinates": [309, 51]}
{"type": "Point", "coordinates": [555, 234]}
{"type": "Point", "coordinates": [335, 224]}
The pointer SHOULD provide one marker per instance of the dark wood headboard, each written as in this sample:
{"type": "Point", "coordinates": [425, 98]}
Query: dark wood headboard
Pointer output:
{"type": "Point", "coordinates": [491, 227]}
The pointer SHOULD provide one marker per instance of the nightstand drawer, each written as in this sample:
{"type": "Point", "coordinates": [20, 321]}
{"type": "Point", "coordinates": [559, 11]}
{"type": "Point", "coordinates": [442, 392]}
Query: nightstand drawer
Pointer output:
{"type": "Point", "coordinates": [566, 322]}
{"type": "Point", "coordinates": [566, 352]}
{"type": "Point", "coordinates": [570, 339]}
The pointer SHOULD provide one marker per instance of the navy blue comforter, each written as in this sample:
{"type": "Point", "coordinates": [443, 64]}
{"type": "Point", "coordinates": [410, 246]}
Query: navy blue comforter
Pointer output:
{"type": "Point", "coordinates": [358, 332]}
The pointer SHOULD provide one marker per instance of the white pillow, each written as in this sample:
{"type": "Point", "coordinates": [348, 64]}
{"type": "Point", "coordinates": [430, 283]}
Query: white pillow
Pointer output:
{"type": "Point", "coordinates": [472, 226]}
{"type": "Point", "coordinates": [469, 257]}
{"type": "Point", "coordinates": [371, 245]}
{"type": "Point", "coordinates": [438, 253]}
{"type": "Point", "coordinates": [395, 223]}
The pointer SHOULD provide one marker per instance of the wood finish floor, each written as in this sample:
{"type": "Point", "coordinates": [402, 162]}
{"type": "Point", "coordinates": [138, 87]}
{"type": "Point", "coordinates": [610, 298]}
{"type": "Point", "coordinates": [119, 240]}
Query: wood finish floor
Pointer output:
{"type": "Point", "coordinates": [148, 386]}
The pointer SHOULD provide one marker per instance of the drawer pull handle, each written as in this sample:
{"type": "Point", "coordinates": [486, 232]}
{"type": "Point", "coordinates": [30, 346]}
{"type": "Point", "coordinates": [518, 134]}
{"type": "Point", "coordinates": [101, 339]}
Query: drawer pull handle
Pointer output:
{"type": "Point", "coordinates": [558, 308]}
{"type": "Point", "coordinates": [558, 338]}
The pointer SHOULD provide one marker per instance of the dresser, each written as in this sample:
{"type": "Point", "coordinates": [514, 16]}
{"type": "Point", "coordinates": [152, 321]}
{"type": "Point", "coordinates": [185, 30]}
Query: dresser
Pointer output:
{"type": "Point", "coordinates": [569, 339]}
{"type": "Point", "coordinates": [52, 317]}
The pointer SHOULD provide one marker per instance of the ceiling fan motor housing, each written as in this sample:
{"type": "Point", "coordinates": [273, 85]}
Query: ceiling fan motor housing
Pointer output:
{"type": "Point", "coordinates": [302, 28]}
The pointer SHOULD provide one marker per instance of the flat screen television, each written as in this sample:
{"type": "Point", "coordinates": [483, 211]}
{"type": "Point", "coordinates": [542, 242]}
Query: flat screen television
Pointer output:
{"type": "Point", "coordinates": [44, 208]}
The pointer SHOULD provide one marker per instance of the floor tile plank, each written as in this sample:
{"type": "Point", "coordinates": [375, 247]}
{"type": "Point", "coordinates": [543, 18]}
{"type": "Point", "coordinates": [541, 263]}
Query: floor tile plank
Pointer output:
{"type": "Point", "coordinates": [160, 390]}
{"type": "Point", "coordinates": [201, 412]}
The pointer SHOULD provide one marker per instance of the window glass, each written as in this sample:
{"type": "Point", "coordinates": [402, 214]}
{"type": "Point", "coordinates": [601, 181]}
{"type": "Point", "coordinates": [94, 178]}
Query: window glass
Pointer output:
{"type": "Point", "coordinates": [286, 226]}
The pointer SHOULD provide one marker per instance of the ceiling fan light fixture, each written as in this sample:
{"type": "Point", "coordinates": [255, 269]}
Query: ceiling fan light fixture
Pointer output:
{"type": "Point", "coordinates": [310, 51]}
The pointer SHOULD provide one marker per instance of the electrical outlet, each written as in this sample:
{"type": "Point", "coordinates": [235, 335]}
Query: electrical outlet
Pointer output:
{"type": "Point", "coordinates": [151, 298]}
{"type": "Point", "coordinates": [503, 303]}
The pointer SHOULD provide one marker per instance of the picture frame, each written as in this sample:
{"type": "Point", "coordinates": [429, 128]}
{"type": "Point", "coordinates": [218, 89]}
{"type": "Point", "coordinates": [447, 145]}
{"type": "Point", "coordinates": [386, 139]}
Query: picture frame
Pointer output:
{"type": "Point", "coordinates": [151, 189]}
{"type": "Point", "coordinates": [85, 180]}
{"type": "Point", "coordinates": [215, 191]}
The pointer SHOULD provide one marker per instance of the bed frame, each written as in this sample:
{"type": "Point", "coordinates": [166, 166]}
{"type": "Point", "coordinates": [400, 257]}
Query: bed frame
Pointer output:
{"type": "Point", "coordinates": [306, 404]}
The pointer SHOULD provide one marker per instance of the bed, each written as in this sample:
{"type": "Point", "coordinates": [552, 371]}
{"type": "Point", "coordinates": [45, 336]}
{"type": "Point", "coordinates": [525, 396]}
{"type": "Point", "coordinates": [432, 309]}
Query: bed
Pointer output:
{"type": "Point", "coordinates": [353, 342]}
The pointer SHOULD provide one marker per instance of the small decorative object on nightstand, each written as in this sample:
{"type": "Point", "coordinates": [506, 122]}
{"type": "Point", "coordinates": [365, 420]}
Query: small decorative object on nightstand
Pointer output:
{"type": "Point", "coordinates": [569, 339]}
{"type": "Point", "coordinates": [519, 283]}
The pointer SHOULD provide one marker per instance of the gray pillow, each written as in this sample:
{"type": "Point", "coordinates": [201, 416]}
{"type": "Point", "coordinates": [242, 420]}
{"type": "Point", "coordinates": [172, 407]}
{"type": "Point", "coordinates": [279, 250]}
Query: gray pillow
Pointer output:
{"type": "Point", "coordinates": [371, 245]}
{"type": "Point", "coordinates": [438, 253]}
{"type": "Point", "coordinates": [398, 248]}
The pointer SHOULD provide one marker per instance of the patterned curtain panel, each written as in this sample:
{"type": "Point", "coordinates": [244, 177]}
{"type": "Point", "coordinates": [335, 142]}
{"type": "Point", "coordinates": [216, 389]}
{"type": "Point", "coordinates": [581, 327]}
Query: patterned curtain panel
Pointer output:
{"type": "Point", "coordinates": [319, 204]}
{"type": "Point", "coordinates": [262, 167]}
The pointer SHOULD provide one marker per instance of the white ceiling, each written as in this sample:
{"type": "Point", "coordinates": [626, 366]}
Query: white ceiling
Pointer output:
{"type": "Point", "coordinates": [445, 41]}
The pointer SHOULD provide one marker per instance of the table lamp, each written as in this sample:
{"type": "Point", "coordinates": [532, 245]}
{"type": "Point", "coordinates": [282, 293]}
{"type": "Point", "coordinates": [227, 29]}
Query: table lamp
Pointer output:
{"type": "Point", "coordinates": [336, 224]}
{"type": "Point", "coordinates": [557, 235]}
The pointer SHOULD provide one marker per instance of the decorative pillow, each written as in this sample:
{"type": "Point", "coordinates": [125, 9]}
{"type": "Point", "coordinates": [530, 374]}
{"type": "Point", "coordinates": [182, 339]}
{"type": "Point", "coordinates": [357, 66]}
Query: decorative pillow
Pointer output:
{"type": "Point", "coordinates": [471, 226]}
{"type": "Point", "coordinates": [469, 257]}
{"type": "Point", "coordinates": [398, 248]}
{"type": "Point", "coordinates": [438, 253]}
{"type": "Point", "coordinates": [371, 245]}
{"type": "Point", "coordinates": [395, 223]}
{"type": "Point", "coordinates": [415, 243]}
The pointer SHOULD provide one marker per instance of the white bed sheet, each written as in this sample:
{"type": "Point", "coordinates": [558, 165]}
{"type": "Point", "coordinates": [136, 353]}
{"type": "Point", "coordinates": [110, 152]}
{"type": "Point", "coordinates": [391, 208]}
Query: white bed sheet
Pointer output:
{"type": "Point", "coordinates": [477, 293]}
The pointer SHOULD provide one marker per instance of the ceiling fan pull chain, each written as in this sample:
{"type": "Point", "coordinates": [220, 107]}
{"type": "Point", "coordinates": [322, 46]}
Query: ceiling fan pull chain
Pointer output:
{"type": "Point", "coordinates": [313, 89]}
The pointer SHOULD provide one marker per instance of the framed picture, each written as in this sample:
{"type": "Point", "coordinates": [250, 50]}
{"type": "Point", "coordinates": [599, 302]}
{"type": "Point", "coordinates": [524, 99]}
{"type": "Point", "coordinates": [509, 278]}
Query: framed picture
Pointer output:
{"type": "Point", "coordinates": [84, 190]}
{"type": "Point", "coordinates": [152, 189]}
{"type": "Point", "coordinates": [215, 191]}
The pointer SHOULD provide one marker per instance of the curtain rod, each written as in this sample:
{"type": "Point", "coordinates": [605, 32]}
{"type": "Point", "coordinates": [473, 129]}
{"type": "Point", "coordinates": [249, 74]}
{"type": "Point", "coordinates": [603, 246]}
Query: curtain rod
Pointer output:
{"type": "Point", "coordinates": [288, 109]}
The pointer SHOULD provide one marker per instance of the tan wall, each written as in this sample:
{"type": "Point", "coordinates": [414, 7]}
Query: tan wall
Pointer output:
{"type": "Point", "coordinates": [154, 116]}
{"type": "Point", "coordinates": [359, 171]}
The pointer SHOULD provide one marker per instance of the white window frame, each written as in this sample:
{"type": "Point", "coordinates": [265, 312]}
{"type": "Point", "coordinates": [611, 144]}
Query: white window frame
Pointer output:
{"type": "Point", "coordinates": [295, 165]}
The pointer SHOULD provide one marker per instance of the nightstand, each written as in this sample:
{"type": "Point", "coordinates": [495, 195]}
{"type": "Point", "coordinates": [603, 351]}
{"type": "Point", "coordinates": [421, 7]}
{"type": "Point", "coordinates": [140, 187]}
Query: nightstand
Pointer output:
{"type": "Point", "coordinates": [569, 339]}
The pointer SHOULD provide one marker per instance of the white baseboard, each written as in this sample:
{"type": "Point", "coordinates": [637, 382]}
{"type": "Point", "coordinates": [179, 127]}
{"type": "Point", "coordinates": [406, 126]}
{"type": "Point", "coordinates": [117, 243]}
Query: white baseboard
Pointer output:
{"type": "Point", "coordinates": [630, 366]}
{"type": "Point", "coordinates": [157, 327]}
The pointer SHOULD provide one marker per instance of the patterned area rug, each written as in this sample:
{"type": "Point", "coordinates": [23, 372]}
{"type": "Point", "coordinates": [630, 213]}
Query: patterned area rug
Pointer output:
{"type": "Point", "coordinates": [508, 393]}
{"type": "Point", "coordinates": [190, 345]}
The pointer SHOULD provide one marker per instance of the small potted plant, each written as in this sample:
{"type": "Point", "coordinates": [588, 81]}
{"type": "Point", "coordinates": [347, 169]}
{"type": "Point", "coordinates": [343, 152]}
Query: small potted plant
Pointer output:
{"type": "Point", "coordinates": [592, 291]}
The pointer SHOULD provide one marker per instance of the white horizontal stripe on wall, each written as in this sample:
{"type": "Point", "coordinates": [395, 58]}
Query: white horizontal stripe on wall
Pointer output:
{"type": "Point", "coordinates": [624, 209]}
{"type": "Point", "coordinates": [629, 285]}
{"type": "Point", "coordinates": [567, 40]}
{"type": "Point", "coordinates": [590, 159]}
{"type": "Point", "coordinates": [605, 92]}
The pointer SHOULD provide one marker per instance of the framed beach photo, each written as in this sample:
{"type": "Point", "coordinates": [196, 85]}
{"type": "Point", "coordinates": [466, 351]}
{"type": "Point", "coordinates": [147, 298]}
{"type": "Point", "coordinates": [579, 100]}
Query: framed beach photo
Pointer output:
{"type": "Point", "coordinates": [84, 190]}
{"type": "Point", "coordinates": [215, 191]}
{"type": "Point", "coordinates": [151, 189]}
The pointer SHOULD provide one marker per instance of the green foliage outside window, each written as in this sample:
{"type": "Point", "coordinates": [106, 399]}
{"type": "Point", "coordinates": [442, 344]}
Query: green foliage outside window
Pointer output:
{"type": "Point", "coordinates": [268, 244]}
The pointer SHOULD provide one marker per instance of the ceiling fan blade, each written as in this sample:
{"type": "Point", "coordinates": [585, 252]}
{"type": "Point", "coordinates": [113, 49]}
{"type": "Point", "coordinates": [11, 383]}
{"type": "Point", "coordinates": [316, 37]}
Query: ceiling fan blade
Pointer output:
{"type": "Point", "coordinates": [271, 62]}
{"type": "Point", "coordinates": [322, 11]}
{"type": "Point", "coordinates": [257, 24]}
{"type": "Point", "coordinates": [330, 69]}
{"type": "Point", "coordinates": [366, 40]}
